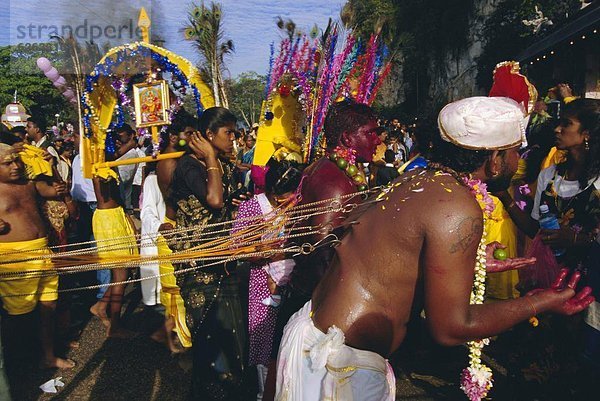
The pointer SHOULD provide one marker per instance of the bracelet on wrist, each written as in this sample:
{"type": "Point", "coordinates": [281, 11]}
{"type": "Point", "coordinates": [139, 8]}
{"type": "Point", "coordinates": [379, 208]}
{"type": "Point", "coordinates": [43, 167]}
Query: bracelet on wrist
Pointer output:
{"type": "Point", "coordinates": [533, 320]}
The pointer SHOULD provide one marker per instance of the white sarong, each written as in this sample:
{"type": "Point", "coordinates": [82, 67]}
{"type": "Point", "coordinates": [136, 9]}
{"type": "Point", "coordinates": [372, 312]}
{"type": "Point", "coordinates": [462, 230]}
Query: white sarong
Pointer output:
{"type": "Point", "coordinates": [312, 366]}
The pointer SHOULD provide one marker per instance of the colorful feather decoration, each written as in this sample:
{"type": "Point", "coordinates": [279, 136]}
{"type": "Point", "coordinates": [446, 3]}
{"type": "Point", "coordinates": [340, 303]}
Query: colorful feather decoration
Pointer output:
{"type": "Point", "coordinates": [320, 75]}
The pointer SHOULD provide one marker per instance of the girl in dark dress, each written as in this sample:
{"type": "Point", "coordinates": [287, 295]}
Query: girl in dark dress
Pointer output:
{"type": "Point", "coordinates": [200, 189]}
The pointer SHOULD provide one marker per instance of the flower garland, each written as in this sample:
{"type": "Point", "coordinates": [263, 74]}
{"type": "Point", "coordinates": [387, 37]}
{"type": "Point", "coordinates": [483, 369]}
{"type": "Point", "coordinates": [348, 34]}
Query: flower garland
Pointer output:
{"type": "Point", "coordinates": [476, 379]}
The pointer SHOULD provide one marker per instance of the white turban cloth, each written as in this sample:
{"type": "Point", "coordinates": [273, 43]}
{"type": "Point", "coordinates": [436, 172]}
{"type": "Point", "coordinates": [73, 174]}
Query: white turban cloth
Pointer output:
{"type": "Point", "coordinates": [483, 123]}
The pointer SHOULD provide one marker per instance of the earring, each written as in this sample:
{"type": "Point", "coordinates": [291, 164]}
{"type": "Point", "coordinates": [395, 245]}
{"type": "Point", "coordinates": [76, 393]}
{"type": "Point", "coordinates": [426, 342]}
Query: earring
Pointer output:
{"type": "Point", "coordinates": [586, 144]}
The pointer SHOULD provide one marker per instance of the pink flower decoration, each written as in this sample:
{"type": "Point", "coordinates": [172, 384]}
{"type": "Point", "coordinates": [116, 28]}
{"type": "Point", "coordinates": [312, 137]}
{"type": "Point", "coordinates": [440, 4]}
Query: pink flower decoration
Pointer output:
{"type": "Point", "coordinates": [479, 189]}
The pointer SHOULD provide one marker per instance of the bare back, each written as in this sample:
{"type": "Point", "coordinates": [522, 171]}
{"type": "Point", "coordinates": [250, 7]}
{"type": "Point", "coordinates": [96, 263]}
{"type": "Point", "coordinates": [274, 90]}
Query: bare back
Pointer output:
{"type": "Point", "coordinates": [19, 208]}
{"type": "Point", "coordinates": [377, 275]}
{"type": "Point", "coordinates": [164, 174]}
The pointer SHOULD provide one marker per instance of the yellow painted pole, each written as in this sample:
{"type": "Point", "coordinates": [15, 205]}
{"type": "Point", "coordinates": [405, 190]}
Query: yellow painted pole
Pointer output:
{"type": "Point", "coordinates": [136, 160]}
{"type": "Point", "coordinates": [144, 23]}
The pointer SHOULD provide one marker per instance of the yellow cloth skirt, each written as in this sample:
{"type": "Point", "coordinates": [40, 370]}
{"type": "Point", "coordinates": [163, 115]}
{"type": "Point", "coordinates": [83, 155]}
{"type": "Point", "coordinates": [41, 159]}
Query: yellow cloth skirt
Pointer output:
{"type": "Point", "coordinates": [32, 285]}
{"type": "Point", "coordinates": [113, 233]}
{"type": "Point", "coordinates": [501, 228]}
{"type": "Point", "coordinates": [169, 294]}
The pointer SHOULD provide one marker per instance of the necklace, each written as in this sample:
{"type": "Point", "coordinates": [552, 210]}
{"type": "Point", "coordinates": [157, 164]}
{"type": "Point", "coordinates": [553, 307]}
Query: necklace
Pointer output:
{"type": "Point", "coordinates": [345, 159]}
{"type": "Point", "coordinates": [476, 379]}
{"type": "Point", "coordinates": [555, 190]}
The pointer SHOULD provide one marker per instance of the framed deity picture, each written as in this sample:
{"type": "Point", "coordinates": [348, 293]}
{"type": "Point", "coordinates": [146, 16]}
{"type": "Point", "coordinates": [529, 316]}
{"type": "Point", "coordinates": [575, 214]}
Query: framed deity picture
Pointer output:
{"type": "Point", "coordinates": [151, 104]}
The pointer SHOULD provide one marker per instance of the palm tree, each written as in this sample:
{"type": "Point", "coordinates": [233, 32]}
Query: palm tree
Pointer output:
{"type": "Point", "coordinates": [205, 28]}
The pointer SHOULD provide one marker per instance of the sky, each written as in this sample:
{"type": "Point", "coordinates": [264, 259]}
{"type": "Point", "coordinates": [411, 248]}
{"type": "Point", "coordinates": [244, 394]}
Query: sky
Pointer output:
{"type": "Point", "coordinates": [249, 23]}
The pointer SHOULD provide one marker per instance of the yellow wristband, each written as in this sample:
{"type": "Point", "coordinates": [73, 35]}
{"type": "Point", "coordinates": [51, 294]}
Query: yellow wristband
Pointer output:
{"type": "Point", "coordinates": [212, 168]}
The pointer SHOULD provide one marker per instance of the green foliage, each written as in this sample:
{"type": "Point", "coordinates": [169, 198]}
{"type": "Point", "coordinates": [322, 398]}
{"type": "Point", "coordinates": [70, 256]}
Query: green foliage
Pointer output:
{"type": "Point", "coordinates": [506, 35]}
{"type": "Point", "coordinates": [422, 31]}
{"type": "Point", "coordinates": [18, 71]}
{"type": "Point", "coordinates": [366, 17]}
{"type": "Point", "coordinates": [246, 94]}
{"type": "Point", "coordinates": [428, 33]}
{"type": "Point", "coordinates": [205, 28]}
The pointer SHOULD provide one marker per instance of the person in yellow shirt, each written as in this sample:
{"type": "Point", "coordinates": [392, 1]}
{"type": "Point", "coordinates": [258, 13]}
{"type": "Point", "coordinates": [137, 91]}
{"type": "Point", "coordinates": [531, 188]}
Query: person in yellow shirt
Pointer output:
{"type": "Point", "coordinates": [500, 228]}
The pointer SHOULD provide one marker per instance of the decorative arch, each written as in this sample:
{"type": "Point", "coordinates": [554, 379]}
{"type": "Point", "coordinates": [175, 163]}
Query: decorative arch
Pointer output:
{"type": "Point", "coordinates": [100, 98]}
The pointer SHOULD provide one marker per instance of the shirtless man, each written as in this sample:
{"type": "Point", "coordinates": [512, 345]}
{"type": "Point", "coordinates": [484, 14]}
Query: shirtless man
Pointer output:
{"type": "Point", "coordinates": [22, 230]}
{"type": "Point", "coordinates": [178, 134]}
{"type": "Point", "coordinates": [350, 128]}
{"type": "Point", "coordinates": [115, 237]}
{"type": "Point", "coordinates": [414, 250]}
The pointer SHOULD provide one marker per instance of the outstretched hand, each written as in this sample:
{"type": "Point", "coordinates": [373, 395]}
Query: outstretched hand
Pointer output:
{"type": "Point", "coordinates": [563, 299]}
{"type": "Point", "coordinates": [494, 265]}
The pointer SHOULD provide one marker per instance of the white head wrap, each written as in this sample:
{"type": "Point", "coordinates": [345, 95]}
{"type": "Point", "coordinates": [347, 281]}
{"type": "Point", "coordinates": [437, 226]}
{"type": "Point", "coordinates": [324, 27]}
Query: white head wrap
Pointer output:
{"type": "Point", "coordinates": [483, 123]}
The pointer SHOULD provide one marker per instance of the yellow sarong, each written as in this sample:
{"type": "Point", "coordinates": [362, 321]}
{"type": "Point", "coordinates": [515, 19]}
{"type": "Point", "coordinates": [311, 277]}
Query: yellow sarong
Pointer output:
{"type": "Point", "coordinates": [170, 296]}
{"type": "Point", "coordinates": [113, 233]}
{"type": "Point", "coordinates": [26, 285]}
{"type": "Point", "coordinates": [500, 228]}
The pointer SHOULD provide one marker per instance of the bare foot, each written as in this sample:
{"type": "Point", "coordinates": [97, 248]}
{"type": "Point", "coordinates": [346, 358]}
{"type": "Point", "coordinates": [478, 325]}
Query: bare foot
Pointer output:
{"type": "Point", "coordinates": [99, 310]}
{"type": "Point", "coordinates": [175, 348]}
{"type": "Point", "coordinates": [163, 338]}
{"type": "Point", "coordinates": [57, 363]}
{"type": "Point", "coordinates": [121, 333]}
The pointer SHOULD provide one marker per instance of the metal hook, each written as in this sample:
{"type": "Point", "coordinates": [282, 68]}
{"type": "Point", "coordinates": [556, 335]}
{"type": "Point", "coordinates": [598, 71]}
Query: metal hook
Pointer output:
{"type": "Point", "coordinates": [321, 242]}
{"type": "Point", "coordinates": [325, 229]}
{"type": "Point", "coordinates": [348, 208]}
{"type": "Point", "coordinates": [335, 204]}
{"type": "Point", "coordinates": [306, 248]}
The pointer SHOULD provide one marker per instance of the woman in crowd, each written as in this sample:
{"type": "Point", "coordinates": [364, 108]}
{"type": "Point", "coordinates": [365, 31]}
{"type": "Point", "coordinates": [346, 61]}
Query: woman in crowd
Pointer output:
{"type": "Point", "coordinates": [244, 159]}
{"type": "Point", "coordinates": [281, 181]}
{"type": "Point", "coordinates": [201, 188]}
{"type": "Point", "coordinates": [571, 190]}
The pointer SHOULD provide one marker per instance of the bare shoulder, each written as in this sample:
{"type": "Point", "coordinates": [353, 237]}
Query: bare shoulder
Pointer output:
{"type": "Point", "coordinates": [437, 202]}
{"type": "Point", "coordinates": [17, 188]}
{"type": "Point", "coordinates": [18, 194]}
{"type": "Point", "coordinates": [324, 180]}
{"type": "Point", "coordinates": [432, 191]}
{"type": "Point", "coordinates": [450, 215]}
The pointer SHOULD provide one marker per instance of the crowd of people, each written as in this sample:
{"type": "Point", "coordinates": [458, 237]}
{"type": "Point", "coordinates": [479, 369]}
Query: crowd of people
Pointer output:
{"type": "Point", "coordinates": [320, 324]}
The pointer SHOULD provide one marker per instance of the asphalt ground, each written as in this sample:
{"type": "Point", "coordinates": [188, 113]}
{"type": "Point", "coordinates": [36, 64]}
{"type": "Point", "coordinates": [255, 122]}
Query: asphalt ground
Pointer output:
{"type": "Point", "coordinates": [528, 364]}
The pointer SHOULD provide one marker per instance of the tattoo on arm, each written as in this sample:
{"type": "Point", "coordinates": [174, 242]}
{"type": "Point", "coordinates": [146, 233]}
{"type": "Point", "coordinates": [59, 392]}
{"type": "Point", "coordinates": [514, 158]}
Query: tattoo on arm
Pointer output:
{"type": "Point", "coordinates": [466, 233]}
